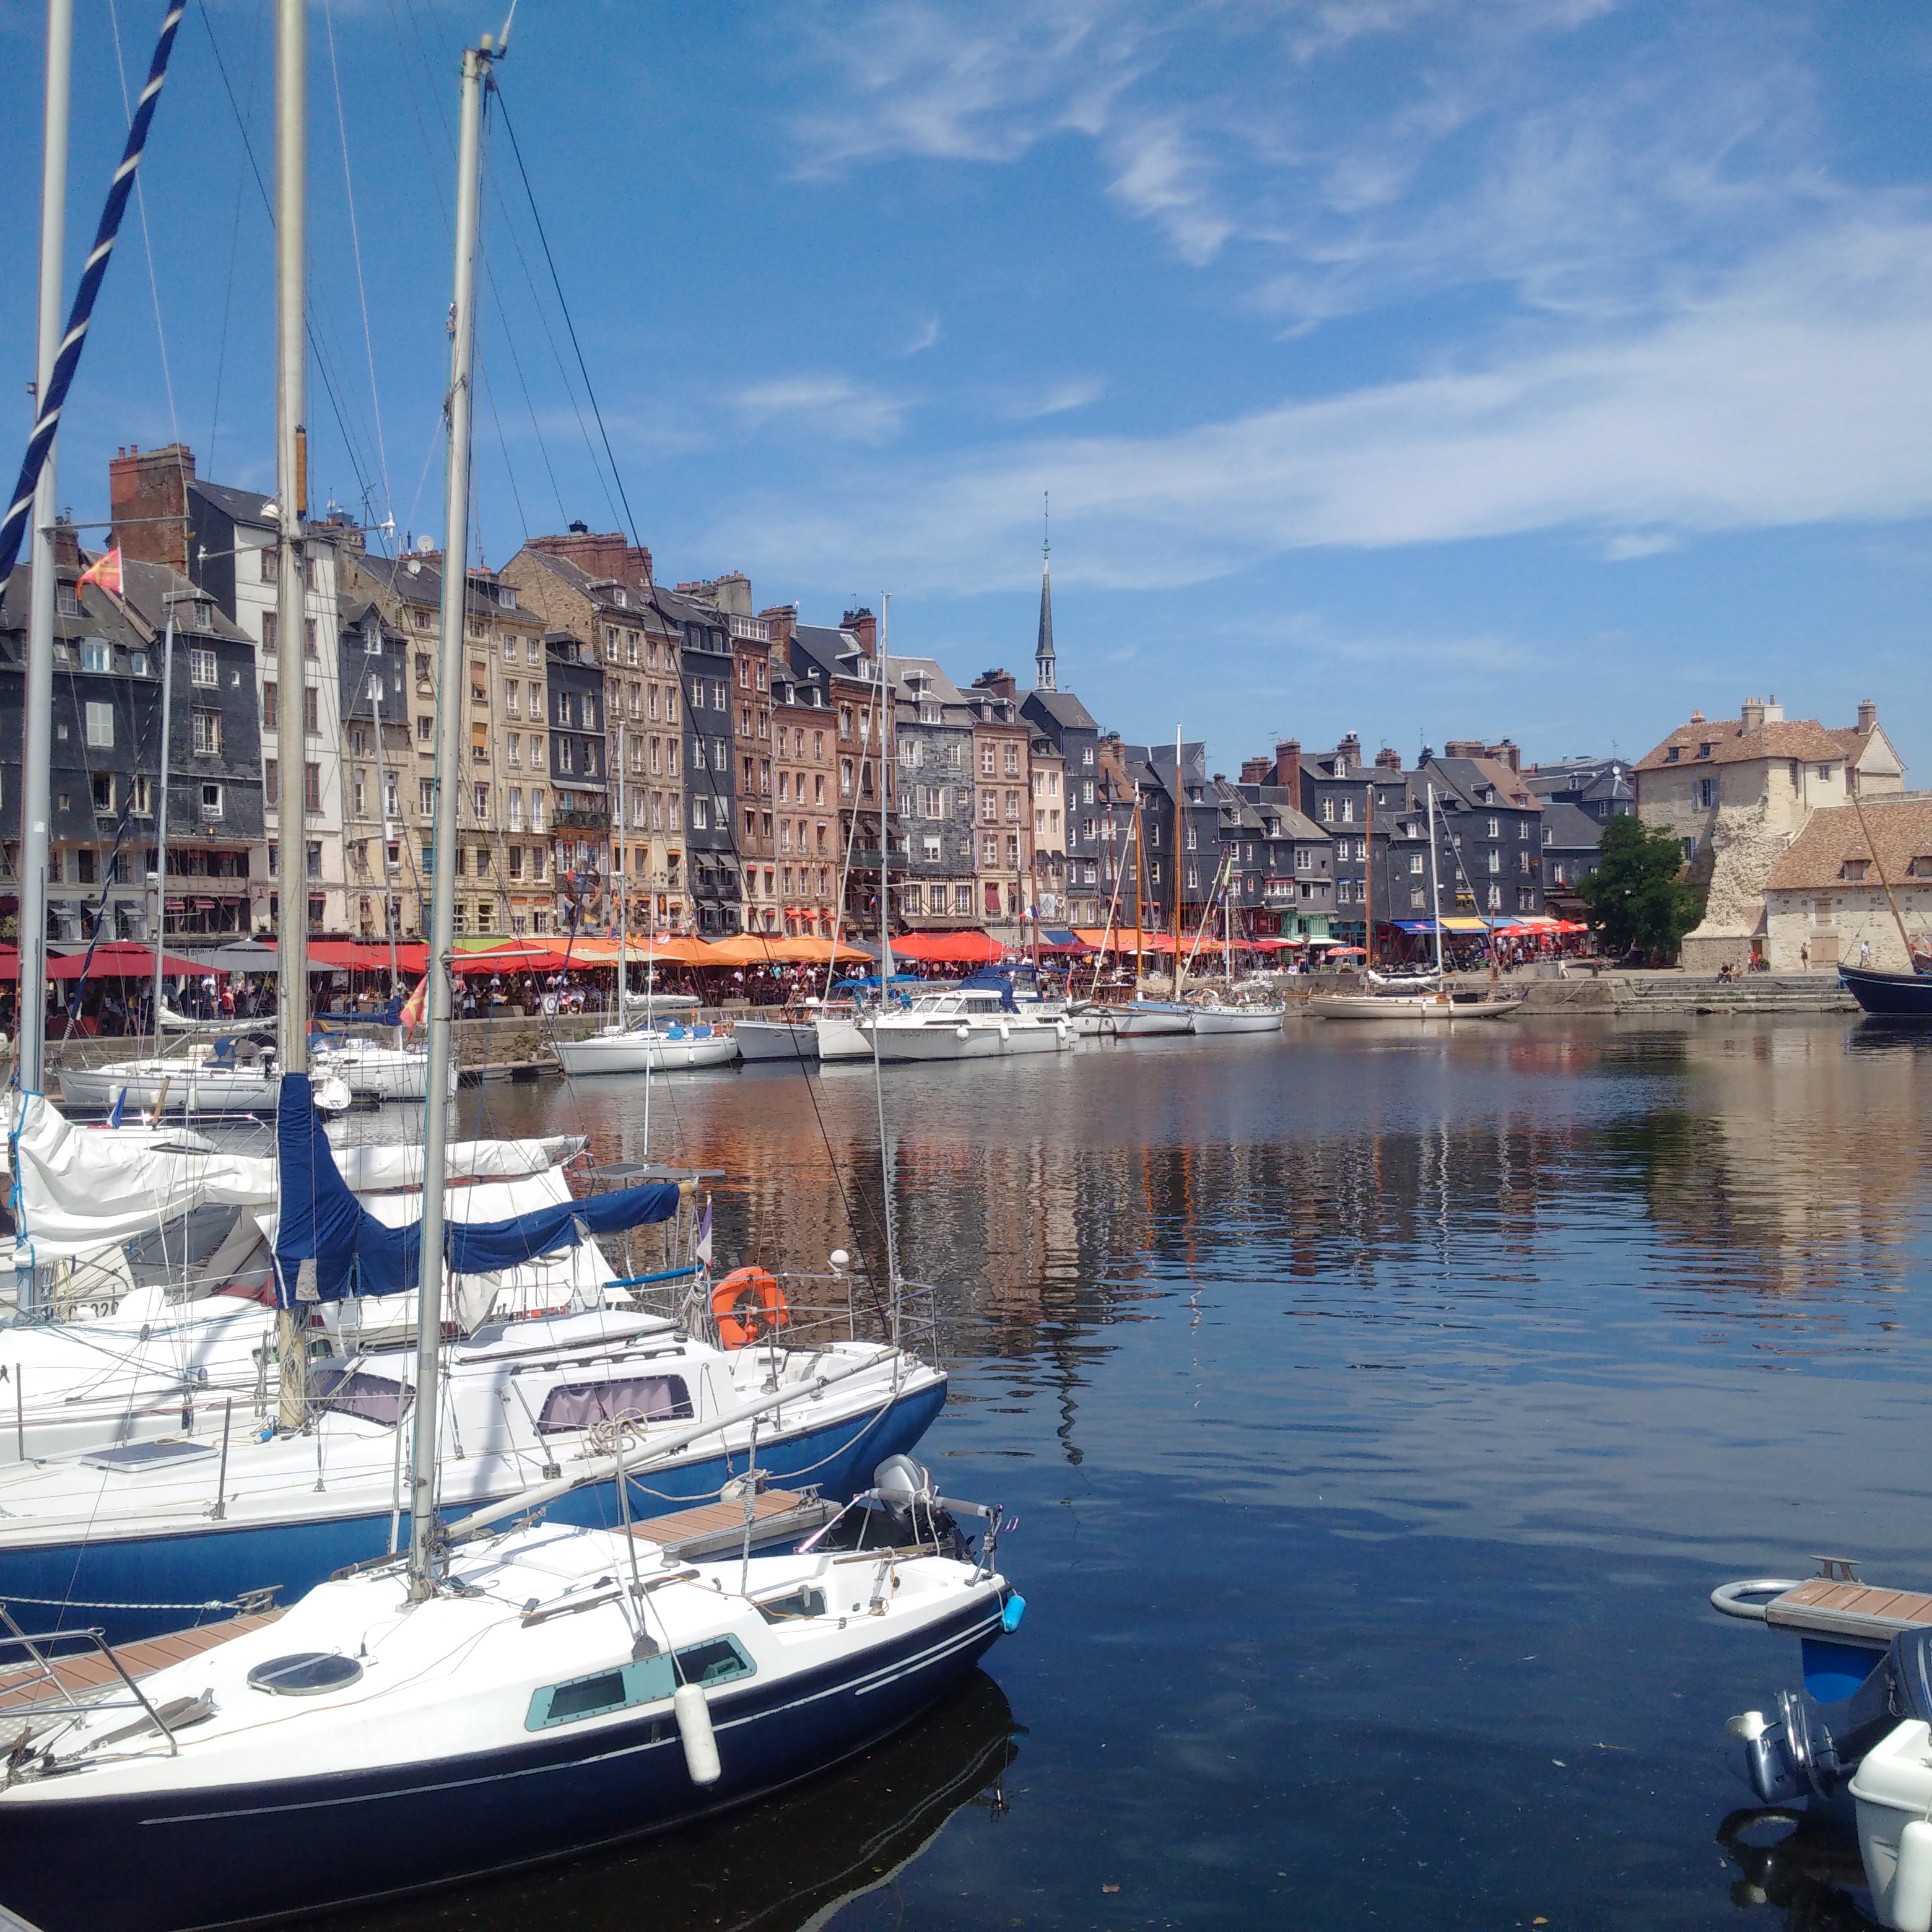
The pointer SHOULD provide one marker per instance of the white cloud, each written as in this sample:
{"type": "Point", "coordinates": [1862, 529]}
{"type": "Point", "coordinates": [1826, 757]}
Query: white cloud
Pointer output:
{"type": "Point", "coordinates": [1635, 544]}
{"type": "Point", "coordinates": [927, 336]}
{"type": "Point", "coordinates": [1058, 398]}
{"type": "Point", "coordinates": [828, 405]}
{"type": "Point", "coordinates": [1797, 390]}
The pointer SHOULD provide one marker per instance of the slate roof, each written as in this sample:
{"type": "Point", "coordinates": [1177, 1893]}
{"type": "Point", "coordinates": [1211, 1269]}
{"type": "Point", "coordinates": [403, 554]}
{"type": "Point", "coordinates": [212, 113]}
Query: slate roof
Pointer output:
{"type": "Point", "coordinates": [1466, 779]}
{"type": "Point", "coordinates": [1900, 830]}
{"type": "Point", "coordinates": [1064, 708]}
{"type": "Point", "coordinates": [1279, 802]}
{"type": "Point", "coordinates": [145, 588]}
{"type": "Point", "coordinates": [1569, 828]}
{"type": "Point", "coordinates": [245, 506]}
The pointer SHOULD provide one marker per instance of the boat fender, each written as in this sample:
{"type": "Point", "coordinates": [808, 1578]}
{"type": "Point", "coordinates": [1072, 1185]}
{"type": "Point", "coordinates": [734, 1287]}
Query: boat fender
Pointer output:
{"type": "Point", "coordinates": [694, 1729]}
{"type": "Point", "coordinates": [1010, 1617]}
{"type": "Point", "coordinates": [962, 1032]}
{"type": "Point", "coordinates": [1911, 1881]}
{"type": "Point", "coordinates": [1005, 1034]}
{"type": "Point", "coordinates": [748, 1305]}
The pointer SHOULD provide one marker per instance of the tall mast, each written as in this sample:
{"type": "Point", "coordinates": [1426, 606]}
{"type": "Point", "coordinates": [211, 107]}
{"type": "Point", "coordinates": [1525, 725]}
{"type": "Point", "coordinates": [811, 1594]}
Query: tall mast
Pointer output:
{"type": "Point", "coordinates": [1180, 846]}
{"type": "Point", "coordinates": [37, 753]}
{"type": "Point", "coordinates": [423, 1539]}
{"type": "Point", "coordinates": [161, 815]}
{"type": "Point", "coordinates": [1139, 872]}
{"type": "Point", "coordinates": [1434, 886]}
{"type": "Point", "coordinates": [889, 713]}
{"type": "Point", "coordinates": [291, 632]}
{"type": "Point", "coordinates": [623, 879]}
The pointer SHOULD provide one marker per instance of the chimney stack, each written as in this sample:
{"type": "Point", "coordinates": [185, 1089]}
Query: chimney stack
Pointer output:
{"type": "Point", "coordinates": [863, 625]}
{"type": "Point", "coordinates": [147, 496]}
{"type": "Point", "coordinates": [1287, 769]}
{"type": "Point", "coordinates": [783, 618]}
{"type": "Point", "coordinates": [1868, 715]}
{"type": "Point", "coordinates": [1388, 759]}
{"type": "Point", "coordinates": [1751, 715]}
{"type": "Point", "coordinates": [1000, 683]}
{"type": "Point", "coordinates": [1257, 771]}
{"type": "Point", "coordinates": [602, 555]}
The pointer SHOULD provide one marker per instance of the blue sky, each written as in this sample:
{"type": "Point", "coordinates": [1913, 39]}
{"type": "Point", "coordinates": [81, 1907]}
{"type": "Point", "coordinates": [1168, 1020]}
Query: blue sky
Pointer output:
{"type": "Point", "coordinates": [1427, 368]}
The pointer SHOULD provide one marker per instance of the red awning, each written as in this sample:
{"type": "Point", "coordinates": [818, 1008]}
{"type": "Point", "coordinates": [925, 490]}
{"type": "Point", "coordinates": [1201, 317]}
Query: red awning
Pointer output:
{"type": "Point", "coordinates": [367, 955]}
{"type": "Point", "coordinates": [116, 959]}
{"type": "Point", "coordinates": [933, 948]}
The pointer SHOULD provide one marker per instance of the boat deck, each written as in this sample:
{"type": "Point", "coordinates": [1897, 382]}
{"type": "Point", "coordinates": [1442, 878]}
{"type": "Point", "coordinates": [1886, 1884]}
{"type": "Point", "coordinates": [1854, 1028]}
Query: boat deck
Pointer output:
{"type": "Point", "coordinates": [1829, 1607]}
{"type": "Point", "coordinates": [777, 1515]}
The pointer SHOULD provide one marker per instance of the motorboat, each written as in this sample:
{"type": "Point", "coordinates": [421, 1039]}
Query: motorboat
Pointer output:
{"type": "Point", "coordinates": [650, 1049]}
{"type": "Point", "coordinates": [208, 1079]}
{"type": "Point", "coordinates": [540, 1692]}
{"type": "Point", "coordinates": [963, 1023]}
{"type": "Point", "coordinates": [373, 1072]}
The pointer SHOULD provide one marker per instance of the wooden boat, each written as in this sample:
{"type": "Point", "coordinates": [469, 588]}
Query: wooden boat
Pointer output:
{"type": "Point", "coordinates": [1896, 995]}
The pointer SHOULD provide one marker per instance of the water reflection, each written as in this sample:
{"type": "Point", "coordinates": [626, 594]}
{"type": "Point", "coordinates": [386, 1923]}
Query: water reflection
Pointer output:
{"type": "Point", "coordinates": [1809, 1871]}
{"type": "Point", "coordinates": [793, 1861]}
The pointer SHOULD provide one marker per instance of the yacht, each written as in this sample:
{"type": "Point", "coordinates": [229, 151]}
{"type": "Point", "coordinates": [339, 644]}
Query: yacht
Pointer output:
{"type": "Point", "coordinates": [963, 1023]}
{"type": "Point", "coordinates": [647, 1049]}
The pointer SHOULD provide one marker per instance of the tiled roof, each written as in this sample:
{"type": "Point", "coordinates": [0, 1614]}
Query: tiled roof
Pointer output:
{"type": "Point", "coordinates": [1900, 830]}
{"type": "Point", "coordinates": [1802, 738]}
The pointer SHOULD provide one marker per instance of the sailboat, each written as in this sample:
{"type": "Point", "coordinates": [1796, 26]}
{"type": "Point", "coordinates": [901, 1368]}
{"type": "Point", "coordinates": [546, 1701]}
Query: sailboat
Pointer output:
{"type": "Point", "coordinates": [1141, 1017]}
{"type": "Point", "coordinates": [503, 1694]}
{"type": "Point", "coordinates": [1228, 1014]}
{"type": "Point", "coordinates": [646, 1049]}
{"type": "Point", "coordinates": [1432, 1005]}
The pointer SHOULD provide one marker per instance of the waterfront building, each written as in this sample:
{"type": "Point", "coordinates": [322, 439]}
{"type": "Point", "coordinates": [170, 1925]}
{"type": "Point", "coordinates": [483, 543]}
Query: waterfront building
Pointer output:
{"type": "Point", "coordinates": [1003, 825]}
{"type": "Point", "coordinates": [580, 782]}
{"type": "Point", "coordinates": [596, 587]}
{"type": "Point", "coordinates": [1180, 821]}
{"type": "Point", "coordinates": [1735, 792]}
{"type": "Point", "coordinates": [1572, 836]}
{"type": "Point", "coordinates": [226, 540]}
{"type": "Point", "coordinates": [1830, 894]}
{"type": "Point", "coordinates": [385, 892]}
{"type": "Point", "coordinates": [715, 880]}
{"type": "Point", "coordinates": [1068, 728]}
{"type": "Point", "coordinates": [1601, 787]}
{"type": "Point", "coordinates": [1488, 831]}
{"type": "Point", "coordinates": [935, 853]}
{"type": "Point", "coordinates": [1285, 877]}
{"type": "Point", "coordinates": [806, 803]}
{"type": "Point", "coordinates": [1047, 883]}
{"type": "Point", "coordinates": [847, 663]}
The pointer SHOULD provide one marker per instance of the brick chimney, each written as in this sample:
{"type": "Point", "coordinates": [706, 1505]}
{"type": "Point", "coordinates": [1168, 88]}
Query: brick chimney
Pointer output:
{"type": "Point", "coordinates": [1507, 754]}
{"type": "Point", "coordinates": [1868, 715]}
{"type": "Point", "coordinates": [1751, 716]}
{"type": "Point", "coordinates": [1288, 768]}
{"type": "Point", "coordinates": [1388, 759]}
{"type": "Point", "coordinates": [1257, 771]}
{"type": "Point", "coordinates": [863, 625]}
{"type": "Point", "coordinates": [1464, 748]}
{"type": "Point", "coordinates": [783, 618]}
{"type": "Point", "coordinates": [1000, 683]}
{"type": "Point", "coordinates": [148, 497]}
{"type": "Point", "coordinates": [1351, 748]}
{"type": "Point", "coordinates": [602, 554]}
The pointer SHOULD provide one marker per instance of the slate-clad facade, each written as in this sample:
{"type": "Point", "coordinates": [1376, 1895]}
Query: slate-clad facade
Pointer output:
{"type": "Point", "coordinates": [706, 664]}
{"type": "Point", "coordinates": [581, 821]}
{"type": "Point", "coordinates": [934, 852]}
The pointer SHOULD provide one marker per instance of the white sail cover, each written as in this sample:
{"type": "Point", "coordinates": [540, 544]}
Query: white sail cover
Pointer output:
{"type": "Point", "coordinates": [82, 1189]}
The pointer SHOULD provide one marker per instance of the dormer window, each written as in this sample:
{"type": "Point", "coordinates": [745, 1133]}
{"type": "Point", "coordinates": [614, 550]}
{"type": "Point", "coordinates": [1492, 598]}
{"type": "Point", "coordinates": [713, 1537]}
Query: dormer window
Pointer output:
{"type": "Point", "coordinates": [1921, 868]}
{"type": "Point", "coordinates": [1671, 753]}
{"type": "Point", "coordinates": [617, 597]}
{"type": "Point", "coordinates": [1853, 870]}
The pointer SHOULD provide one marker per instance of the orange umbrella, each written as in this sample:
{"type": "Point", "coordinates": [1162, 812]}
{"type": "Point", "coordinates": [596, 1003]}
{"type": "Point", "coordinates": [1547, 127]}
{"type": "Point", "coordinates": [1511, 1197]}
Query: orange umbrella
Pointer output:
{"type": "Point", "coordinates": [743, 948]}
{"type": "Point", "coordinates": [805, 950]}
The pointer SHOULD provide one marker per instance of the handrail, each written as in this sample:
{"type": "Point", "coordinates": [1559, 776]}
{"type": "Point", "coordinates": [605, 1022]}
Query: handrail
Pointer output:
{"type": "Point", "coordinates": [98, 1638]}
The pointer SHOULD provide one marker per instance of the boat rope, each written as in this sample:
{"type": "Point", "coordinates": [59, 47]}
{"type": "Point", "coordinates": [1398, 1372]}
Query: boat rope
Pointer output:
{"type": "Point", "coordinates": [76, 1603]}
{"type": "Point", "coordinates": [14, 527]}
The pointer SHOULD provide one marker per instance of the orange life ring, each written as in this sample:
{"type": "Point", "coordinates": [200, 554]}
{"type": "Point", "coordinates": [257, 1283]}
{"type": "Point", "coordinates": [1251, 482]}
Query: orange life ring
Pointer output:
{"type": "Point", "coordinates": [748, 1305]}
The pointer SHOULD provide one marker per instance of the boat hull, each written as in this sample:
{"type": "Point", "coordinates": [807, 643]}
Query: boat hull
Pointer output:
{"type": "Point", "coordinates": [226, 1856]}
{"type": "Point", "coordinates": [983, 1039]}
{"type": "Point", "coordinates": [1148, 1021]}
{"type": "Point", "coordinates": [839, 1038]}
{"type": "Point", "coordinates": [139, 1586]}
{"type": "Point", "coordinates": [1412, 1011]}
{"type": "Point", "coordinates": [777, 1039]}
{"type": "Point", "coordinates": [188, 1089]}
{"type": "Point", "coordinates": [1897, 996]}
{"type": "Point", "coordinates": [1231, 1019]}
{"type": "Point", "coordinates": [631, 1053]}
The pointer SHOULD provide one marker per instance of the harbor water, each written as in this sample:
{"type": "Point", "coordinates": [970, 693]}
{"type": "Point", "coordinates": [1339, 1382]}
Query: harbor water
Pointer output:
{"type": "Point", "coordinates": [1378, 1411]}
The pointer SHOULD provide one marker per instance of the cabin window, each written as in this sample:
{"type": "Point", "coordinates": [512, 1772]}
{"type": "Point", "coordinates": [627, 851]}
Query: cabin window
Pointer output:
{"type": "Point", "coordinates": [351, 1392]}
{"type": "Point", "coordinates": [650, 1398]}
{"type": "Point", "coordinates": [649, 1681]}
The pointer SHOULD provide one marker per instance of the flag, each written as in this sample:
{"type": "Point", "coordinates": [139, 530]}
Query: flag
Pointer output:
{"type": "Point", "coordinates": [120, 1104]}
{"type": "Point", "coordinates": [413, 1007]}
{"type": "Point", "coordinates": [702, 1250]}
{"type": "Point", "coordinates": [104, 570]}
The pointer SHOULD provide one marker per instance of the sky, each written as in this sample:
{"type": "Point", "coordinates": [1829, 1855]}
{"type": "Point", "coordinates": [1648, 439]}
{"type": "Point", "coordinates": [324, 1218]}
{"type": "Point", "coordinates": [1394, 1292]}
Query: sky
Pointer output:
{"type": "Point", "coordinates": [1540, 369]}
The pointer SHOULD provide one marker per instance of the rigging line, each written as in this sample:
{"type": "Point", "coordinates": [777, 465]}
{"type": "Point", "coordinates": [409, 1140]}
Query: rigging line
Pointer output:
{"type": "Point", "coordinates": [356, 245]}
{"type": "Point", "coordinates": [557, 283]}
{"type": "Point", "coordinates": [509, 471]}
{"type": "Point", "coordinates": [516, 362]}
{"type": "Point", "coordinates": [147, 243]}
{"type": "Point", "coordinates": [234, 247]}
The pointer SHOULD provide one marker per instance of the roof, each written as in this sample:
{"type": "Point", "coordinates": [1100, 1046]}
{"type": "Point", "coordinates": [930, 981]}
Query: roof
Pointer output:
{"type": "Point", "coordinates": [936, 686]}
{"type": "Point", "coordinates": [1586, 778]}
{"type": "Point", "coordinates": [146, 587]}
{"type": "Point", "coordinates": [836, 652]}
{"type": "Point", "coordinates": [1280, 804]}
{"type": "Point", "coordinates": [1064, 708]}
{"type": "Point", "coordinates": [1467, 779]}
{"type": "Point", "coordinates": [1802, 738]}
{"type": "Point", "coordinates": [638, 606]}
{"type": "Point", "coordinates": [245, 506]}
{"type": "Point", "coordinates": [1901, 831]}
{"type": "Point", "coordinates": [1568, 828]}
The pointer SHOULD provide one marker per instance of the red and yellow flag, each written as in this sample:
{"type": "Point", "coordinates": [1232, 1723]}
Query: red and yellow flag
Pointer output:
{"type": "Point", "coordinates": [104, 570]}
{"type": "Point", "coordinates": [413, 1007]}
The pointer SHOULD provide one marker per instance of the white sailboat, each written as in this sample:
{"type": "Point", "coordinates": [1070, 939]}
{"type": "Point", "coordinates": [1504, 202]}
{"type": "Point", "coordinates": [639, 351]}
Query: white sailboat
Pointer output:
{"type": "Point", "coordinates": [1229, 1014]}
{"type": "Point", "coordinates": [501, 1695]}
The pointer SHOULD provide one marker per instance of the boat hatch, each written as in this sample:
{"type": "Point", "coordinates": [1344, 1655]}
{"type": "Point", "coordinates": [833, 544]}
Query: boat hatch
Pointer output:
{"type": "Point", "coordinates": [651, 1680]}
{"type": "Point", "coordinates": [133, 1457]}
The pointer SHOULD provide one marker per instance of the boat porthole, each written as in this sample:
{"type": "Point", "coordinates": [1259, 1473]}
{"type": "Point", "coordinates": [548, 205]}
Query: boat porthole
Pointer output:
{"type": "Point", "coordinates": [306, 1673]}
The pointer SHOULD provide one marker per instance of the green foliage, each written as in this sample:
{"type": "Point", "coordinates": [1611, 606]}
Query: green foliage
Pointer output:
{"type": "Point", "coordinates": [1638, 895]}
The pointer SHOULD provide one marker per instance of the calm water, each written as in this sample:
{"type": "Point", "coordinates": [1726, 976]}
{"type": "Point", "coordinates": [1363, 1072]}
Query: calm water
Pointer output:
{"type": "Point", "coordinates": [1378, 1413]}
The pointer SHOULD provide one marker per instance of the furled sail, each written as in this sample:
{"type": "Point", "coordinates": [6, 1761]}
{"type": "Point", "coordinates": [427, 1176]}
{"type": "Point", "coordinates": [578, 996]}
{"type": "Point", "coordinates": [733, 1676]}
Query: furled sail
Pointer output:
{"type": "Point", "coordinates": [328, 1245]}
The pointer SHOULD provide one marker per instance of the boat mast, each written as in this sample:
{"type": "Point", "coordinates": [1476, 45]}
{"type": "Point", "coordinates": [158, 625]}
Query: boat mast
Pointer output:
{"type": "Point", "coordinates": [1434, 886]}
{"type": "Point", "coordinates": [1139, 873]}
{"type": "Point", "coordinates": [37, 752]}
{"type": "Point", "coordinates": [623, 879]}
{"type": "Point", "coordinates": [424, 1538]}
{"type": "Point", "coordinates": [161, 814]}
{"type": "Point", "coordinates": [1857, 806]}
{"type": "Point", "coordinates": [889, 714]}
{"type": "Point", "coordinates": [291, 632]}
{"type": "Point", "coordinates": [1180, 845]}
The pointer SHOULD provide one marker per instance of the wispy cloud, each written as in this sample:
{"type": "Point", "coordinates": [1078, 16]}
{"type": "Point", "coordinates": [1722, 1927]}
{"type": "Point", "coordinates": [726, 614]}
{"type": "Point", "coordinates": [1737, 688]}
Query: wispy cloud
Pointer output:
{"type": "Point", "coordinates": [927, 335]}
{"type": "Point", "coordinates": [1797, 390]}
{"type": "Point", "coordinates": [1057, 398]}
{"type": "Point", "coordinates": [827, 405]}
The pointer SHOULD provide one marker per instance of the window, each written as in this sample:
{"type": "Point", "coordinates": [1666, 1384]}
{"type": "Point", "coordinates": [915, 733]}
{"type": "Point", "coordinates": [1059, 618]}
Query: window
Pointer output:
{"type": "Point", "coordinates": [1920, 868]}
{"type": "Point", "coordinates": [1824, 771]}
{"type": "Point", "coordinates": [142, 803]}
{"type": "Point", "coordinates": [1328, 811]}
{"type": "Point", "coordinates": [1496, 862]}
{"type": "Point", "coordinates": [1853, 870]}
{"type": "Point", "coordinates": [391, 806]}
{"type": "Point", "coordinates": [270, 563]}
{"type": "Point", "coordinates": [1495, 828]}
{"type": "Point", "coordinates": [480, 803]}
{"type": "Point", "coordinates": [1707, 792]}
{"type": "Point", "coordinates": [311, 710]}
{"type": "Point", "coordinates": [314, 858]}
{"type": "Point", "coordinates": [536, 823]}
{"type": "Point", "coordinates": [97, 654]}
{"type": "Point", "coordinates": [1671, 753]}
{"type": "Point", "coordinates": [308, 637]}
{"type": "Point", "coordinates": [104, 791]}
{"type": "Point", "coordinates": [211, 801]}
{"type": "Point", "coordinates": [101, 724]}
{"type": "Point", "coordinates": [516, 808]}
{"type": "Point", "coordinates": [700, 814]}
{"type": "Point", "coordinates": [1415, 863]}
{"type": "Point", "coordinates": [312, 789]}
{"type": "Point", "coordinates": [426, 796]}
{"type": "Point", "coordinates": [650, 1680]}
{"type": "Point", "coordinates": [516, 747]}
{"type": "Point", "coordinates": [564, 754]}
{"type": "Point", "coordinates": [271, 789]}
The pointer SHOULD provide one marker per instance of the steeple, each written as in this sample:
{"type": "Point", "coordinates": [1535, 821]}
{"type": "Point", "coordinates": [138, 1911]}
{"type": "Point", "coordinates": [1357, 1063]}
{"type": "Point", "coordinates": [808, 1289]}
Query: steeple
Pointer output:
{"type": "Point", "coordinates": [1043, 677]}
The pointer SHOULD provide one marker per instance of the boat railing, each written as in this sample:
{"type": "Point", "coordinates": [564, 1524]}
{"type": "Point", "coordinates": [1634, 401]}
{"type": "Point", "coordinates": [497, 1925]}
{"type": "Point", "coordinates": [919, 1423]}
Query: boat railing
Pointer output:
{"type": "Point", "coordinates": [817, 1310]}
{"type": "Point", "coordinates": [38, 1693]}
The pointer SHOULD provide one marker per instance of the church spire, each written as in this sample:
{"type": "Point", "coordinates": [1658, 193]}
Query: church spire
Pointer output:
{"type": "Point", "coordinates": [1044, 679]}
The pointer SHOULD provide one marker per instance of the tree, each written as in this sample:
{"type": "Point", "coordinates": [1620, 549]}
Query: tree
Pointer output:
{"type": "Point", "coordinates": [1638, 895]}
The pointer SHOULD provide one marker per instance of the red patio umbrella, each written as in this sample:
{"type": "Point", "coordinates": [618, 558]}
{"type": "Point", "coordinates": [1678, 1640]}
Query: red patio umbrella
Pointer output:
{"type": "Point", "coordinates": [116, 959]}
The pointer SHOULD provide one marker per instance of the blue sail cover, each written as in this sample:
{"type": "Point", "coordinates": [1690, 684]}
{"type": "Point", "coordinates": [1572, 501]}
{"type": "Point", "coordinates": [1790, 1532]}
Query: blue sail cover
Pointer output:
{"type": "Point", "coordinates": [354, 1253]}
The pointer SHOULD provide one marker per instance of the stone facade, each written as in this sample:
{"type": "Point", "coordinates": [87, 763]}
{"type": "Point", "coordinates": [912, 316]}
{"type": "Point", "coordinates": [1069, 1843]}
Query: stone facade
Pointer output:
{"type": "Point", "coordinates": [1829, 896]}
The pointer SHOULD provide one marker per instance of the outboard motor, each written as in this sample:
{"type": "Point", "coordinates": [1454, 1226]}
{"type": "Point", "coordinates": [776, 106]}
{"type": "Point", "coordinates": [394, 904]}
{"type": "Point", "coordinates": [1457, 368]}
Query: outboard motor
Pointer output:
{"type": "Point", "coordinates": [1811, 1750]}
